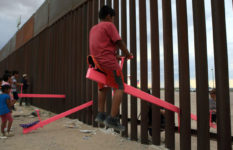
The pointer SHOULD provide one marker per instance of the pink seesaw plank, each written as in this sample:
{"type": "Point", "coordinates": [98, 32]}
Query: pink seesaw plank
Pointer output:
{"type": "Point", "coordinates": [94, 75]}
{"type": "Point", "coordinates": [59, 116]}
{"type": "Point", "coordinates": [100, 78]}
{"type": "Point", "coordinates": [42, 95]}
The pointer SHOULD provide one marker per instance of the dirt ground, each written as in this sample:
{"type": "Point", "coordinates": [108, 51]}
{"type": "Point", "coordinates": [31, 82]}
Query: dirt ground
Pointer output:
{"type": "Point", "coordinates": [68, 134]}
{"type": "Point", "coordinates": [65, 134]}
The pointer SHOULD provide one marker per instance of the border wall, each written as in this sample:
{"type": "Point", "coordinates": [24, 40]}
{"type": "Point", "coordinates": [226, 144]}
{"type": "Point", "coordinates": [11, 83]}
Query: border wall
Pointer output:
{"type": "Point", "coordinates": [52, 48]}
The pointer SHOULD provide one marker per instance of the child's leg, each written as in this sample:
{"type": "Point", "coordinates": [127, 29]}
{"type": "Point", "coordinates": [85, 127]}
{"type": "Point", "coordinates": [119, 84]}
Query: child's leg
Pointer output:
{"type": "Point", "coordinates": [116, 102]}
{"type": "Point", "coordinates": [9, 126]}
{"type": "Point", "coordinates": [10, 121]}
{"type": "Point", "coordinates": [3, 125]}
{"type": "Point", "coordinates": [117, 98]}
{"type": "Point", "coordinates": [101, 99]}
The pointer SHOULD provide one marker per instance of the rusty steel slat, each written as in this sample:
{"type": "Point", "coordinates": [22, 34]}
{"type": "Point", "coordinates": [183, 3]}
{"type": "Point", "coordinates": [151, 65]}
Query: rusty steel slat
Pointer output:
{"type": "Point", "coordinates": [79, 59]}
{"type": "Point", "coordinates": [70, 65]}
{"type": "Point", "coordinates": [49, 61]}
{"type": "Point", "coordinates": [102, 3]}
{"type": "Point", "coordinates": [124, 103]}
{"type": "Point", "coordinates": [57, 56]}
{"type": "Point", "coordinates": [169, 72]}
{"type": "Point", "coordinates": [69, 61]}
{"type": "Point", "coordinates": [61, 52]}
{"type": "Point", "coordinates": [46, 81]}
{"type": "Point", "coordinates": [222, 75]}
{"type": "Point", "coordinates": [184, 84]}
{"type": "Point", "coordinates": [75, 61]}
{"type": "Point", "coordinates": [53, 63]}
{"type": "Point", "coordinates": [65, 55]}
{"type": "Point", "coordinates": [89, 82]}
{"type": "Point", "coordinates": [201, 75]}
{"type": "Point", "coordinates": [143, 68]}
{"type": "Point", "coordinates": [40, 66]}
{"type": "Point", "coordinates": [94, 84]}
{"type": "Point", "coordinates": [133, 71]}
{"type": "Point", "coordinates": [30, 68]}
{"type": "Point", "coordinates": [109, 101]}
{"type": "Point", "coordinates": [84, 56]}
{"type": "Point", "coordinates": [34, 68]}
{"type": "Point", "coordinates": [155, 68]}
{"type": "Point", "coordinates": [116, 18]}
{"type": "Point", "coordinates": [82, 66]}
{"type": "Point", "coordinates": [74, 72]}
{"type": "Point", "coordinates": [47, 39]}
{"type": "Point", "coordinates": [55, 52]}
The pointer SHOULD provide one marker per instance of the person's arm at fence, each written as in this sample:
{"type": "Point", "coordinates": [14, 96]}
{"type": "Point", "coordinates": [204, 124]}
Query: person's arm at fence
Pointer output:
{"type": "Point", "coordinates": [122, 46]}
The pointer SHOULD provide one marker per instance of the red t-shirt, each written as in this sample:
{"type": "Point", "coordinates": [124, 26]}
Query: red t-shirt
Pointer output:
{"type": "Point", "coordinates": [102, 44]}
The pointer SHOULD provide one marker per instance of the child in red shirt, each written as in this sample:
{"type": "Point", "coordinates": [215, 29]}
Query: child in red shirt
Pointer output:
{"type": "Point", "coordinates": [104, 40]}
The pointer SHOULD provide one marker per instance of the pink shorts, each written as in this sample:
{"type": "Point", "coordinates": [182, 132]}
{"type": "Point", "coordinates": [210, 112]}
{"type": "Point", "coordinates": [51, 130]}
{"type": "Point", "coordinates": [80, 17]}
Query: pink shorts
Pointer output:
{"type": "Point", "coordinates": [6, 117]}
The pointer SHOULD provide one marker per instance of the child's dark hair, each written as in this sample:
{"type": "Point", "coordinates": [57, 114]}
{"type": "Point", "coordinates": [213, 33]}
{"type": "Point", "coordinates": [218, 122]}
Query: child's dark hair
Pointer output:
{"type": "Point", "coordinates": [5, 88]}
{"type": "Point", "coordinates": [105, 11]}
{"type": "Point", "coordinates": [15, 72]}
{"type": "Point", "coordinates": [6, 77]}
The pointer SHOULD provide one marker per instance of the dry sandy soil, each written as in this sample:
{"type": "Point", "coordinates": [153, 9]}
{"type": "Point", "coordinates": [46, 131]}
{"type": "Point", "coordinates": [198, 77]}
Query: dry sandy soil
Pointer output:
{"type": "Point", "coordinates": [67, 134]}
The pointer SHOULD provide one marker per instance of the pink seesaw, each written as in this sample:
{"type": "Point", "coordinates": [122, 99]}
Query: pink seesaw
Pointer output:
{"type": "Point", "coordinates": [99, 77]}
{"type": "Point", "coordinates": [59, 116]}
{"type": "Point", "coordinates": [21, 95]}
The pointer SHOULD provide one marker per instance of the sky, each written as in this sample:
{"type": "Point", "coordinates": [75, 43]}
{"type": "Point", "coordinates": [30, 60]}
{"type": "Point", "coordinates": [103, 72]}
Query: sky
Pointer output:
{"type": "Point", "coordinates": [11, 10]}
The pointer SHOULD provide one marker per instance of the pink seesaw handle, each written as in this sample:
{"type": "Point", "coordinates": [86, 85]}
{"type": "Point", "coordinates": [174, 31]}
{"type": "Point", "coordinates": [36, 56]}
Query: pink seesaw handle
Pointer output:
{"type": "Point", "coordinates": [122, 61]}
{"type": "Point", "coordinates": [38, 113]}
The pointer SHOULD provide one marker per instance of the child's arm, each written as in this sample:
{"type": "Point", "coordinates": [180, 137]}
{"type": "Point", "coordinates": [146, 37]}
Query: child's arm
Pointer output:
{"type": "Point", "coordinates": [10, 102]}
{"type": "Point", "coordinates": [123, 47]}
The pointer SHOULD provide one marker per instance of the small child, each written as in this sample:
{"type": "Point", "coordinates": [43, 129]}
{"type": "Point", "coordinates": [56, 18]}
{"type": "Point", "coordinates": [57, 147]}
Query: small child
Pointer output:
{"type": "Point", "coordinates": [5, 112]}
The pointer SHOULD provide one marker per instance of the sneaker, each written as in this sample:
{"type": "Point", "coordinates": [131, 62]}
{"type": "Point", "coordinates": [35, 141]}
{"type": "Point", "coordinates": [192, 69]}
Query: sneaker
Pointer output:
{"type": "Point", "coordinates": [114, 122]}
{"type": "Point", "coordinates": [101, 116]}
{"type": "Point", "coordinates": [3, 137]}
{"type": "Point", "coordinates": [9, 134]}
